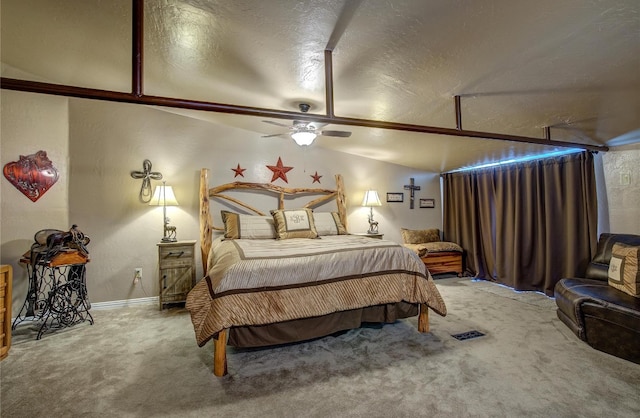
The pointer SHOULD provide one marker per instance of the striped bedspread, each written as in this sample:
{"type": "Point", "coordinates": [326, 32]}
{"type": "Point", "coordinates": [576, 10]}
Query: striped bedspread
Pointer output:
{"type": "Point", "coordinates": [257, 282]}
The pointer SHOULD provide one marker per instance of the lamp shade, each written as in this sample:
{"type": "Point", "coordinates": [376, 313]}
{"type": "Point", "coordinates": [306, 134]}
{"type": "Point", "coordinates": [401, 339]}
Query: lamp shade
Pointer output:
{"type": "Point", "coordinates": [163, 196]}
{"type": "Point", "coordinates": [371, 199]}
{"type": "Point", "coordinates": [304, 137]}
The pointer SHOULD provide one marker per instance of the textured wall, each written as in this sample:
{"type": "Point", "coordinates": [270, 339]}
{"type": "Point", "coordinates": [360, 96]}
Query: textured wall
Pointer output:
{"type": "Point", "coordinates": [106, 141]}
{"type": "Point", "coordinates": [30, 123]}
{"type": "Point", "coordinates": [622, 179]}
{"type": "Point", "coordinates": [95, 145]}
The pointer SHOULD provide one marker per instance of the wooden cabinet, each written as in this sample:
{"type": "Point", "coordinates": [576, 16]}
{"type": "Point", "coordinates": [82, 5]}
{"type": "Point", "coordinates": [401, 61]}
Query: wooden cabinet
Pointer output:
{"type": "Point", "coordinates": [6, 277]}
{"type": "Point", "coordinates": [177, 267]}
{"type": "Point", "coordinates": [444, 262]}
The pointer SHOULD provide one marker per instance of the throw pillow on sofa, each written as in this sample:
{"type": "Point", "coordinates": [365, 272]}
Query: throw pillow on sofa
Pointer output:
{"type": "Point", "coordinates": [624, 269]}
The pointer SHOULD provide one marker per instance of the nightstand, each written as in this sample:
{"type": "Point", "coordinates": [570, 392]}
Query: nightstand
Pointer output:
{"type": "Point", "coordinates": [364, 234]}
{"type": "Point", "coordinates": [177, 265]}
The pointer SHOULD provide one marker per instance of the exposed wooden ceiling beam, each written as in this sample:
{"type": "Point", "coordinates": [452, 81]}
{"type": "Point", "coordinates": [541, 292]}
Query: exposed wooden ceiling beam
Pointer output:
{"type": "Point", "coordinates": [115, 96]}
{"type": "Point", "coordinates": [137, 96]}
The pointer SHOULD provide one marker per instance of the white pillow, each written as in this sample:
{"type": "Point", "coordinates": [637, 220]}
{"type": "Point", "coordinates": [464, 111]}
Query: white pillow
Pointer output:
{"type": "Point", "coordinates": [328, 223]}
{"type": "Point", "coordinates": [248, 226]}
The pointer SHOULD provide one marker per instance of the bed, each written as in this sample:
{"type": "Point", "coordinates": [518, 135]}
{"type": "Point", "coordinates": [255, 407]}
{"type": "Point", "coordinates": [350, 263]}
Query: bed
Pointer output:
{"type": "Point", "coordinates": [294, 274]}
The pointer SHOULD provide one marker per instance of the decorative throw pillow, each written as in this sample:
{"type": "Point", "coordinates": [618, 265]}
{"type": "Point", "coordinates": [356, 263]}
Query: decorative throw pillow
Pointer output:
{"type": "Point", "coordinates": [624, 271]}
{"type": "Point", "coordinates": [328, 223]}
{"type": "Point", "coordinates": [296, 223]}
{"type": "Point", "coordinates": [247, 226]}
{"type": "Point", "coordinates": [420, 236]}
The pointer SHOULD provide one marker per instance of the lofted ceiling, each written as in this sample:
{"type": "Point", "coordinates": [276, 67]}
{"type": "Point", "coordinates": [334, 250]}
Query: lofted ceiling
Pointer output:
{"type": "Point", "coordinates": [518, 66]}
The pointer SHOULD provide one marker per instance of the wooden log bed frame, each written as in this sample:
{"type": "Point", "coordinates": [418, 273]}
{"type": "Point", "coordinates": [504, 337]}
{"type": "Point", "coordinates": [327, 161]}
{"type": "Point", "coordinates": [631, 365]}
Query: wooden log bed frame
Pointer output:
{"type": "Point", "coordinates": [207, 228]}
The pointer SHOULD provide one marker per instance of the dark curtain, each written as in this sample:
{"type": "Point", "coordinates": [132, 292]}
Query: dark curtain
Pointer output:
{"type": "Point", "coordinates": [525, 225]}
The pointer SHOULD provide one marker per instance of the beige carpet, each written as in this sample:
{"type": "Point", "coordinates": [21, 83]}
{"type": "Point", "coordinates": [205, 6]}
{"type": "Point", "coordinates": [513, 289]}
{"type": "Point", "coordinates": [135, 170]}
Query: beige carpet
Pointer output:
{"type": "Point", "coordinates": [139, 362]}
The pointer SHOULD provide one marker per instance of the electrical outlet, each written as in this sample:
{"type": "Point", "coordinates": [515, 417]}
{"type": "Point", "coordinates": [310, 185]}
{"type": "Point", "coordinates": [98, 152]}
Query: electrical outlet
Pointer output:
{"type": "Point", "coordinates": [625, 178]}
{"type": "Point", "coordinates": [137, 275]}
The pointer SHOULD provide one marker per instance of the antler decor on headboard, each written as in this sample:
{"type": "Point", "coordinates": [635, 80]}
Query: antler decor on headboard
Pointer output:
{"type": "Point", "coordinates": [206, 221]}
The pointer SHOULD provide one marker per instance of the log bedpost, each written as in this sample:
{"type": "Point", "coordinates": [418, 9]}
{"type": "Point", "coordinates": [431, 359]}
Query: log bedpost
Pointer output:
{"type": "Point", "coordinates": [423, 318]}
{"type": "Point", "coordinates": [341, 201]}
{"type": "Point", "coordinates": [206, 224]}
{"type": "Point", "coordinates": [220, 354]}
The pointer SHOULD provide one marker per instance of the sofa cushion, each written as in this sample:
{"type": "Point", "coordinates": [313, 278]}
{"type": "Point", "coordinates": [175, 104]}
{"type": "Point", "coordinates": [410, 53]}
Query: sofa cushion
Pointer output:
{"type": "Point", "coordinates": [579, 290]}
{"type": "Point", "coordinates": [624, 273]}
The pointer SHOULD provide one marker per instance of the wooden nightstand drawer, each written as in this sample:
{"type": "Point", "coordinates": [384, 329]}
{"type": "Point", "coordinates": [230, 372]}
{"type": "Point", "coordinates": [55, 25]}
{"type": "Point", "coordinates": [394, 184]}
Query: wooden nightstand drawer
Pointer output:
{"type": "Point", "coordinates": [176, 256]}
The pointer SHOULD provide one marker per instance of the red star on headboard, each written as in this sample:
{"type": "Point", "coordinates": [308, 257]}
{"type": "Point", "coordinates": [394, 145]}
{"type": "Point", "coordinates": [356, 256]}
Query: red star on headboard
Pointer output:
{"type": "Point", "coordinates": [315, 177]}
{"type": "Point", "coordinates": [239, 171]}
{"type": "Point", "coordinates": [279, 171]}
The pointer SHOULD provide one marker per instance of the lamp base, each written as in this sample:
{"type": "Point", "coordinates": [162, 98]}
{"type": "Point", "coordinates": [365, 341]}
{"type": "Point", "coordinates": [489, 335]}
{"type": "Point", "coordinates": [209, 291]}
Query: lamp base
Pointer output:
{"type": "Point", "coordinates": [169, 232]}
{"type": "Point", "coordinates": [373, 225]}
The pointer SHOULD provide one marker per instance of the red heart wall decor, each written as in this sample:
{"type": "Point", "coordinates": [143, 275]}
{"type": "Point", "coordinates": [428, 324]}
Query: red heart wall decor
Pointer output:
{"type": "Point", "coordinates": [33, 174]}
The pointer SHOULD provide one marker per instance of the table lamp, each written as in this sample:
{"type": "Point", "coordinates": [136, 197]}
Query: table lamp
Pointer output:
{"type": "Point", "coordinates": [163, 196]}
{"type": "Point", "coordinates": [370, 200]}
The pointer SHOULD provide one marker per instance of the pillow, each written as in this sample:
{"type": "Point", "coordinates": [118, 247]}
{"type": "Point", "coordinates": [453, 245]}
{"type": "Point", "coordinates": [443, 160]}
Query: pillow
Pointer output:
{"type": "Point", "coordinates": [328, 223]}
{"type": "Point", "coordinates": [420, 236]}
{"type": "Point", "coordinates": [442, 246]}
{"type": "Point", "coordinates": [296, 223]}
{"type": "Point", "coordinates": [247, 226]}
{"type": "Point", "coordinates": [624, 271]}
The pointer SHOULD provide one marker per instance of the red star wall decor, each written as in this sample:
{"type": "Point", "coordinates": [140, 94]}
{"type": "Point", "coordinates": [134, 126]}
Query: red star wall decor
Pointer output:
{"type": "Point", "coordinates": [238, 171]}
{"type": "Point", "coordinates": [315, 177]}
{"type": "Point", "coordinates": [279, 171]}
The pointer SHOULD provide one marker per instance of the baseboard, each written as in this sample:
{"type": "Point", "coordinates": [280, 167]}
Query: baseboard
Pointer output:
{"type": "Point", "coordinates": [114, 304]}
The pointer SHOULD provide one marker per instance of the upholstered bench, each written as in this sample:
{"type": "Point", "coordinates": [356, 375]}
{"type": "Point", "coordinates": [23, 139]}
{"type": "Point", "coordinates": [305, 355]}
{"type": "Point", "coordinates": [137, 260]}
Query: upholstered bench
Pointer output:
{"type": "Point", "coordinates": [438, 256]}
{"type": "Point", "coordinates": [606, 318]}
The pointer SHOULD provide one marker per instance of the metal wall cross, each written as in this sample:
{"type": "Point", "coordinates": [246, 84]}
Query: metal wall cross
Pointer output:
{"type": "Point", "coordinates": [146, 175]}
{"type": "Point", "coordinates": [412, 188]}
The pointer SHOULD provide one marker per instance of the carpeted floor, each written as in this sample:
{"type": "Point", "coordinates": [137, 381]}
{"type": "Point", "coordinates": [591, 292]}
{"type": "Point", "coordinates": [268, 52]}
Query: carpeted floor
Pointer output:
{"type": "Point", "coordinates": [139, 362]}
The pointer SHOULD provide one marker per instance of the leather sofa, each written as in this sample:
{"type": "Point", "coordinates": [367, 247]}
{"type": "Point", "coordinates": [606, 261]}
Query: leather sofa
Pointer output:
{"type": "Point", "coordinates": [605, 318]}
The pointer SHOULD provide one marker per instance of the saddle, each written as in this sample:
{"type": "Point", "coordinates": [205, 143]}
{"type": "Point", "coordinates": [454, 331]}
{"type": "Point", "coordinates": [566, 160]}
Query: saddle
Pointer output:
{"type": "Point", "coordinates": [49, 242]}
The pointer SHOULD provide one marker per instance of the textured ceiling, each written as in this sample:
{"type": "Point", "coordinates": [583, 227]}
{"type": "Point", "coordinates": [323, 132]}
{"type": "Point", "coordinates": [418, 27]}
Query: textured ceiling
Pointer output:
{"type": "Point", "coordinates": [518, 66]}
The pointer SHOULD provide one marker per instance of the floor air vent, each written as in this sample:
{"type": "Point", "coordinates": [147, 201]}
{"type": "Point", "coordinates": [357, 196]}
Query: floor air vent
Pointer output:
{"type": "Point", "coordinates": [467, 335]}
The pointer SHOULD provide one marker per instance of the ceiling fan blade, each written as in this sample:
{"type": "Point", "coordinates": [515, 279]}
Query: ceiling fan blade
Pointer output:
{"type": "Point", "coordinates": [340, 134]}
{"type": "Point", "coordinates": [271, 136]}
{"type": "Point", "coordinates": [276, 123]}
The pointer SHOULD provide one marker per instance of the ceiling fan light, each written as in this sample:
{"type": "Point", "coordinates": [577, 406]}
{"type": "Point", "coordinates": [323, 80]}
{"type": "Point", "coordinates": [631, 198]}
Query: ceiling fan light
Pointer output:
{"type": "Point", "coordinates": [303, 137]}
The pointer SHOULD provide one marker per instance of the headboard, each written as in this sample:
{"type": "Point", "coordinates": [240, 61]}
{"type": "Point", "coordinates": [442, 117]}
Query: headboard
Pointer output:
{"type": "Point", "coordinates": [206, 193]}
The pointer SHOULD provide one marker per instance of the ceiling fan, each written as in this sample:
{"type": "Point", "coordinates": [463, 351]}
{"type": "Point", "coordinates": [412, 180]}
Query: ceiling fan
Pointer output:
{"type": "Point", "coordinates": [303, 133]}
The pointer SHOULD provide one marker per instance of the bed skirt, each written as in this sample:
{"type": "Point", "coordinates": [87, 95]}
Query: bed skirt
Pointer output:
{"type": "Point", "coordinates": [319, 326]}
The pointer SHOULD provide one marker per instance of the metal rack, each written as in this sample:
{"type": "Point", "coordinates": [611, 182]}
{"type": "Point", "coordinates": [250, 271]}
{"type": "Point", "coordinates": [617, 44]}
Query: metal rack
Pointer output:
{"type": "Point", "coordinates": [57, 295]}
